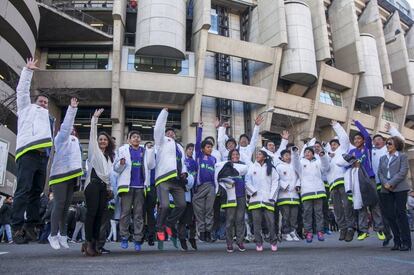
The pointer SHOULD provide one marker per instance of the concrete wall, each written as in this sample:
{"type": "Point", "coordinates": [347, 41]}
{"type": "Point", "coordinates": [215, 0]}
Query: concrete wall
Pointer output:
{"type": "Point", "coordinates": [299, 61]}
{"type": "Point", "coordinates": [370, 85]}
{"type": "Point", "coordinates": [271, 22]}
{"type": "Point", "coordinates": [345, 36]}
{"type": "Point", "coordinates": [161, 27]}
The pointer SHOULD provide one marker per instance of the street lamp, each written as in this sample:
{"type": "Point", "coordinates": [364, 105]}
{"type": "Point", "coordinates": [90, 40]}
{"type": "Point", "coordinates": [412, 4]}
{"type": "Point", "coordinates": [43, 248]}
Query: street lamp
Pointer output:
{"type": "Point", "coordinates": [270, 110]}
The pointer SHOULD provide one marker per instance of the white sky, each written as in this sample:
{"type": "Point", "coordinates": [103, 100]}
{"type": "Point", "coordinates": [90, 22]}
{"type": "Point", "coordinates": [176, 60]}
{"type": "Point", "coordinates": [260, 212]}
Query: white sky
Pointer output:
{"type": "Point", "coordinates": [411, 3]}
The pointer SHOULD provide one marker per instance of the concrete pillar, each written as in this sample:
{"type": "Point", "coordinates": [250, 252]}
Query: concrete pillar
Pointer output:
{"type": "Point", "coordinates": [271, 22]}
{"type": "Point", "coordinates": [117, 100]}
{"type": "Point", "coordinates": [370, 22]}
{"type": "Point", "coordinates": [345, 36]}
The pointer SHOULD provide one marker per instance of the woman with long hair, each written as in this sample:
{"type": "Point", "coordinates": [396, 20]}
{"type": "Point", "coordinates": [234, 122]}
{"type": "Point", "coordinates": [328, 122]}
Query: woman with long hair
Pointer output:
{"type": "Point", "coordinates": [65, 172]}
{"type": "Point", "coordinates": [97, 186]}
{"type": "Point", "coordinates": [262, 184]}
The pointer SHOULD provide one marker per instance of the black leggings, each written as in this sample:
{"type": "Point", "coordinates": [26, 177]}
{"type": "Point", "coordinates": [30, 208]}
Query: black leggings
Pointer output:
{"type": "Point", "coordinates": [95, 198]}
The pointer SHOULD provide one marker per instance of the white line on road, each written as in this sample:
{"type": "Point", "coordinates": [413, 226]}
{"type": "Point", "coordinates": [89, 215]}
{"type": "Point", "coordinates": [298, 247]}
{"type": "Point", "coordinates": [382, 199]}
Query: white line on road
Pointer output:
{"type": "Point", "coordinates": [395, 260]}
{"type": "Point", "coordinates": [1, 253]}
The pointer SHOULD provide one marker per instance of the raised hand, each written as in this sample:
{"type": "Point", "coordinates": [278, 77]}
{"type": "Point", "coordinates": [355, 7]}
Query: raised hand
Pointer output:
{"type": "Point", "coordinates": [333, 122]}
{"type": "Point", "coordinates": [98, 112]}
{"type": "Point", "coordinates": [200, 124]}
{"type": "Point", "coordinates": [259, 120]}
{"type": "Point", "coordinates": [226, 124]}
{"type": "Point", "coordinates": [31, 64]}
{"type": "Point", "coordinates": [285, 134]}
{"type": "Point", "coordinates": [387, 126]}
{"type": "Point", "coordinates": [74, 102]}
{"type": "Point", "coordinates": [217, 122]}
{"type": "Point", "coordinates": [165, 109]}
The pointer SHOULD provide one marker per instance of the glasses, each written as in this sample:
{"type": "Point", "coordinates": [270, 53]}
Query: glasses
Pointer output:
{"type": "Point", "coordinates": [390, 143]}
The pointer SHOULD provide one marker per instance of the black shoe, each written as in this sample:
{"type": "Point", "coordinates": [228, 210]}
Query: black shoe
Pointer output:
{"type": "Point", "coordinates": [19, 237]}
{"type": "Point", "coordinates": [349, 236]}
{"type": "Point", "coordinates": [386, 242]}
{"type": "Point", "coordinates": [151, 242]}
{"type": "Point", "coordinates": [104, 251]}
{"type": "Point", "coordinates": [193, 243]}
{"type": "Point", "coordinates": [202, 236]}
{"type": "Point", "coordinates": [405, 247]}
{"type": "Point", "coordinates": [342, 234]}
{"type": "Point", "coordinates": [395, 247]}
{"type": "Point", "coordinates": [30, 233]}
{"type": "Point", "coordinates": [208, 237]}
{"type": "Point", "coordinates": [184, 245]}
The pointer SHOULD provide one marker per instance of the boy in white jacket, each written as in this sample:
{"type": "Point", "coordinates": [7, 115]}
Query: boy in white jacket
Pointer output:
{"type": "Point", "coordinates": [262, 183]}
{"type": "Point", "coordinates": [288, 198]}
{"type": "Point", "coordinates": [313, 192]}
{"type": "Point", "coordinates": [133, 164]}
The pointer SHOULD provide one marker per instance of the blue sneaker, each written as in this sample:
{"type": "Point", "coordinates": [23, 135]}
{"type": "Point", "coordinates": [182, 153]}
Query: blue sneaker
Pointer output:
{"type": "Point", "coordinates": [124, 243]}
{"type": "Point", "coordinates": [137, 246]}
{"type": "Point", "coordinates": [327, 231]}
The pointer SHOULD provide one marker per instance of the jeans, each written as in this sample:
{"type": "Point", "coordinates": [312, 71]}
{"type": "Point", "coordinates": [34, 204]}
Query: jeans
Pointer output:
{"type": "Point", "coordinates": [80, 226]}
{"type": "Point", "coordinates": [7, 228]}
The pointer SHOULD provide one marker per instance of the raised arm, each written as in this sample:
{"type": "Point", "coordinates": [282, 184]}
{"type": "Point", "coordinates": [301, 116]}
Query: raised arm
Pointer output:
{"type": "Point", "coordinates": [364, 132]}
{"type": "Point", "coordinates": [23, 88]}
{"type": "Point", "coordinates": [67, 125]}
{"type": "Point", "coordinates": [296, 162]}
{"type": "Point", "coordinates": [197, 147]}
{"type": "Point", "coordinates": [324, 163]}
{"type": "Point", "coordinates": [342, 136]}
{"type": "Point", "coordinates": [159, 129]}
{"type": "Point", "coordinates": [393, 132]}
{"type": "Point", "coordinates": [283, 143]}
{"type": "Point", "coordinates": [221, 140]}
{"type": "Point", "coordinates": [93, 147]}
{"type": "Point", "coordinates": [255, 136]}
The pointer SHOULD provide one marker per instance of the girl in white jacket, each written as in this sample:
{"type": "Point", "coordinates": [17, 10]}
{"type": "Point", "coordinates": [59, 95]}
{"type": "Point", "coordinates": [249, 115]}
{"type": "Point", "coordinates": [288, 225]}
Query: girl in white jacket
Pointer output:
{"type": "Point", "coordinates": [262, 182]}
{"type": "Point", "coordinates": [313, 192]}
{"type": "Point", "coordinates": [288, 198]}
{"type": "Point", "coordinates": [65, 172]}
{"type": "Point", "coordinates": [230, 175]}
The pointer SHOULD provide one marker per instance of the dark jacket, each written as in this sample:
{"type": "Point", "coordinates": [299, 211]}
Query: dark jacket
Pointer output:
{"type": "Point", "coordinates": [80, 215]}
{"type": "Point", "coordinates": [5, 213]}
{"type": "Point", "coordinates": [48, 213]}
{"type": "Point", "coordinates": [398, 169]}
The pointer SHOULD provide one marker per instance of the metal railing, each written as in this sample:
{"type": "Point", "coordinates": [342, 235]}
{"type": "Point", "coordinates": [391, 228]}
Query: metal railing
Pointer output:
{"type": "Point", "coordinates": [73, 9]}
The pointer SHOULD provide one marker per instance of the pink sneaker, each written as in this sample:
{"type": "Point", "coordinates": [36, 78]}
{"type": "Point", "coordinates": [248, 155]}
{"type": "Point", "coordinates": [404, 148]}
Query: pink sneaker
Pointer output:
{"type": "Point", "coordinates": [309, 237]}
{"type": "Point", "coordinates": [259, 247]}
{"type": "Point", "coordinates": [321, 237]}
{"type": "Point", "coordinates": [274, 247]}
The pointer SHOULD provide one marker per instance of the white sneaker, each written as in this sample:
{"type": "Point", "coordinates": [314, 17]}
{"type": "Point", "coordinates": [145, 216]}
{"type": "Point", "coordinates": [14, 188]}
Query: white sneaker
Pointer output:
{"type": "Point", "coordinates": [294, 236]}
{"type": "Point", "coordinates": [63, 241]}
{"type": "Point", "coordinates": [54, 241]}
{"type": "Point", "coordinates": [287, 237]}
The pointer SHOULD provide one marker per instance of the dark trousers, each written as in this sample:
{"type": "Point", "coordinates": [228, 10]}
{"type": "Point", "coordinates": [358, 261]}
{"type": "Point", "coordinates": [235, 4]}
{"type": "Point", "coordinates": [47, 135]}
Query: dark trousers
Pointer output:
{"type": "Point", "coordinates": [149, 207]}
{"type": "Point", "coordinates": [165, 217]}
{"type": "Point", "coordinates": [396, 214]}
{"type": "Point", "coordinates": [95, 198]}
{"type": "Point", "coordinates": [187, 220]}
{"type": "Point", "coordinates": [105, 227]}
{"type": "Point", "coordinates": [31, 178]}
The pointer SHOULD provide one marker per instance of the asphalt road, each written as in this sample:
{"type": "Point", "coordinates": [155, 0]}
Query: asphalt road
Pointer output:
{"type": "Point", "coordinates": [329, 257]}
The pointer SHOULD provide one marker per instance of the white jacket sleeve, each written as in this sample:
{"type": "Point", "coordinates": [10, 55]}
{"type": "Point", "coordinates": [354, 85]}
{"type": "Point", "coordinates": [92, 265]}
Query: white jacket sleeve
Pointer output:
{"type": "Point", "coordinates": [275, 185]}
{"type": "Point", "coordinates": [221, 141]}
{"type": "Point", "coordinates": [342, 137]}
{"type": "Point", "coordinates": [117, 166]}
{"type": "Point", "coordinates": [190, 183]}
{"type": "Point", "coordinates": [296, 163]}
{"type": "Point", "coordinates": [23, 89]}
{"type": "Point", "coordinates": [324, 163]}
{"type": "Point", "coordinates": [253, 142]}
{"type": "Point", "coordinates": [159, 128]}
{"type": "Point", "coordinates": [241, 168]}
{"type": "Point", "coordinates": [250, 188]}
{"type": "Point", "coordinates": [282, 146]}
{"type": "Point", "coordinates": [150, 158]}
{"type": "Point", "coordinates": [66, 127]}
{"type": "Point", "coordinates": [395, 133]}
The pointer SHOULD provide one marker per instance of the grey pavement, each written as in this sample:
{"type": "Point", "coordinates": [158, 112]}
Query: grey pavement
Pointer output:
{"type": "Point", "coordinates": [328, 257]}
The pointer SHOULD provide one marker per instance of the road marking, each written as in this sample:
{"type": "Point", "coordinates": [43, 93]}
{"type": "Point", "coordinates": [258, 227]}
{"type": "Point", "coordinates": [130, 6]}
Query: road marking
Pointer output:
{"type": "Point", "coordinates": [395, 260]}
{"type": "Point", "coordinates": [1, 253]}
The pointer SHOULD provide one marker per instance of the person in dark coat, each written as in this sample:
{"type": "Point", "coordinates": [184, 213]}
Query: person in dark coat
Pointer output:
{"type": "Point", "coordinates": [5, 218]}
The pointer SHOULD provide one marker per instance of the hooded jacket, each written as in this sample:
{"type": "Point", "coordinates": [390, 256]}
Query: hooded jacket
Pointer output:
{"type": "Point", "coordinates": [166, 161]}
{"type": "Point", "coordinates": [124, 171]}
{"type": "Point", "coordinates": [229, 175]}
{"type": "Point", "coordinates": [261, 187]}
{"type": "Point", "coordinates": [67, 160]}
{"type": "Point", "coordinates": [33, 124]}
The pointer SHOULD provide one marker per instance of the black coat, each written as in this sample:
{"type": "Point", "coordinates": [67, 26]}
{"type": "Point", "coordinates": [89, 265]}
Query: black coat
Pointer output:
{"type": "Point", "coordinates": [5, 214]}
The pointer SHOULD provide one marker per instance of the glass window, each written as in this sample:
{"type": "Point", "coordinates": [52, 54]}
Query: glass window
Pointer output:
{"type": "Point", "coordinates": [363, 107]}
{"type": "Point", "coordinates": [77, 60]}
{"type": "Point", "coordinates": [331, 97]}
{"type": "Point", "coordinates": [388, 114]}
{"type": "Point", "coordinates": [214, 21]}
